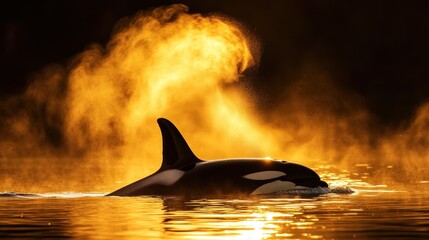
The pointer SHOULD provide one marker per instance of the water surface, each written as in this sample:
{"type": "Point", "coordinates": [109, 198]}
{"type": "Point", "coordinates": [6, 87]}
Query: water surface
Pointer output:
{"type": "Point", "coordinates": [370, 212]}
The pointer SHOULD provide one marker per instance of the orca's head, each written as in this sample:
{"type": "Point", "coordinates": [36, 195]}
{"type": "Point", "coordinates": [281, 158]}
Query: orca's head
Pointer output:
{"type": "Point", "coordinates": [301, 175]}
{"type": "Point", "coordinates": [283, 172]}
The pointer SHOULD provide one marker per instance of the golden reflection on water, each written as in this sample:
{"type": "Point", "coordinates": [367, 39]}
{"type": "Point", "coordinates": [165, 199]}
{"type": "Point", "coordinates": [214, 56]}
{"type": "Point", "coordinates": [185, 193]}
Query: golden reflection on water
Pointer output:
{"type": "Point", "coordinates": [233, 219]}
{"type": "Point", "coordinates": [372, 212]}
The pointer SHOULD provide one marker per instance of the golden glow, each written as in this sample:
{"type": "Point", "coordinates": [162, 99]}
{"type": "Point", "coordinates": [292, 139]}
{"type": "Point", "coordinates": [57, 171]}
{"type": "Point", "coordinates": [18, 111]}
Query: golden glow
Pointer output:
{"type": "Point", "coordinates": [92, 125]}
{"type": "Point", "coordinates": [160, 63]}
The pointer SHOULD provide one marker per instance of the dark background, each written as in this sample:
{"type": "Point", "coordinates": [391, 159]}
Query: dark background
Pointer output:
{"type": "Point", "coordinates": [377, 50]}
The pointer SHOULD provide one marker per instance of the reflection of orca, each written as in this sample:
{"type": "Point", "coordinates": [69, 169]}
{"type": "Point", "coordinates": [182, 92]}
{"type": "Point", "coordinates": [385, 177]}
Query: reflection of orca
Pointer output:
{"type": "Point", "coordinates": [183, 174]}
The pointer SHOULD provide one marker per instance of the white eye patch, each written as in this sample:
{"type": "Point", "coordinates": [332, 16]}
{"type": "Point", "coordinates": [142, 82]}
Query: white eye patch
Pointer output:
{"type": "Point", "coordinates": [264, 175]}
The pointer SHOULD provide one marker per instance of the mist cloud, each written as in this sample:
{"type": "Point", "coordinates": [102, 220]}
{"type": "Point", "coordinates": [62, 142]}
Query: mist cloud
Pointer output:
{"type": "Point", "coordinates": [92, 124]}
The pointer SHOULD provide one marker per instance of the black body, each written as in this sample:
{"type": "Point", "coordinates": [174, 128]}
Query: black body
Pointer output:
{"type": "Point", "coordinates": [183, 174]}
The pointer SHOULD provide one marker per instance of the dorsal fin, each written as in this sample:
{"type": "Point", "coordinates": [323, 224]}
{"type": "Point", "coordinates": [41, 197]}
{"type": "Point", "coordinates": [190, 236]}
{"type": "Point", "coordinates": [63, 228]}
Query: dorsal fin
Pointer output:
{"type": "Point", "coordinates": [175, 151]}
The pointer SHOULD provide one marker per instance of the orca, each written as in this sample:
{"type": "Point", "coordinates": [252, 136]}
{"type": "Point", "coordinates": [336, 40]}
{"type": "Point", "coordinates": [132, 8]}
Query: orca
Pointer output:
{"type": "Point", "coordinates": [184, 174]}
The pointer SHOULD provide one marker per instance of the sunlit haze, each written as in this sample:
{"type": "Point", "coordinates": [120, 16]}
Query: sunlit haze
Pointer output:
{"type": "Point", "coordinates": [91, 125]}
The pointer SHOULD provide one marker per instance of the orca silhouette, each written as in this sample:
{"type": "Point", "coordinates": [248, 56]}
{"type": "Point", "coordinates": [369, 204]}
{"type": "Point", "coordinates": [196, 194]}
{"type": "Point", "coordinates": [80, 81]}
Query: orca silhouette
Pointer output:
{"type": "Point", "coordinates": [184, 174]}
